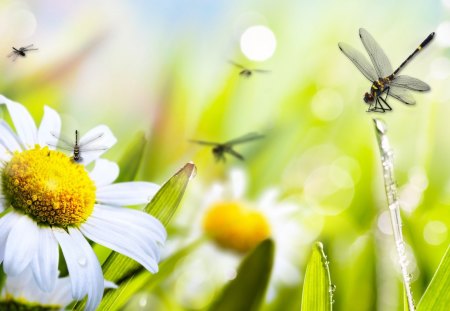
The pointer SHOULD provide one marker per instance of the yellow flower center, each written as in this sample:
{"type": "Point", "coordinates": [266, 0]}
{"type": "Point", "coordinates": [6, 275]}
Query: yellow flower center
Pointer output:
{"type": "Point", "coordinates": [235, 226]}
{"type": "Point", "coordinates": [48, 186]}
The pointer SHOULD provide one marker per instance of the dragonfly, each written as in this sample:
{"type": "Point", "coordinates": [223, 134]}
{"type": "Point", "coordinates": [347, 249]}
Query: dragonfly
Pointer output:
{"type": "Point", "coordinates": [384, 79]}
{"type": "Point", "coordinates": [246, 72]}
{"type": "Point", "coordinates": [21, 51]}
{"type": "Point", "coordinates": [220, 149]}
{"type": "Point", "coordinates": [78, 147]}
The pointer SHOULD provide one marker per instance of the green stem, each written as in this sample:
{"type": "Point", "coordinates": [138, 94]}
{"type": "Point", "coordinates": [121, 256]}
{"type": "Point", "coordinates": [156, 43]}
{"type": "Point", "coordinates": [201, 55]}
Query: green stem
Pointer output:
{"type": "Point", "coordinates": [390, 184]}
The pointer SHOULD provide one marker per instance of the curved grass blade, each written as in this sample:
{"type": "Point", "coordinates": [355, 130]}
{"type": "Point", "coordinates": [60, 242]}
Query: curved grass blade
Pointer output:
{"type": "Point", "coordinates": [317, 288]}
{"type": "Point", "coordinates": [116, 299]}
{"type": "Point", "coordinates": [119, 268]}
{"type": "Point", "coordinates": [246, 291]}
{"type": "Point", "coordinates": [437, 294]}
{"type": "Point", "coordinates": [131, 159]}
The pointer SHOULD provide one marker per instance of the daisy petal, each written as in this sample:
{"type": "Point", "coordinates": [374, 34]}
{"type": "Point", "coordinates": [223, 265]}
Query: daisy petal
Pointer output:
{"type": "Point", "coordinates": [105, 140]}
{"type": "Point", "coordinates": [8, 138]}
{"type": "Point", "coordinates": [45, 263]}
{"type": "Point", "coordinates": [6, 223]}
{"type": "Point", "coordinates": [62, 294]}
{"type": "Point", "coordinates": [138, 241]}
{"type": "Point", "coordinates": [127, 216]}
{"type": "Point", "coordinates": [19, 251]}
{"type": "Point", "coordinates": [23, 122]}
{"type": "Point", "coordinates": [104, 172]}
{"type": "Point", "coordinates": [50, 124]}
{"type": "Point", "coordinates": [127, 193]}
{"type": "Point", "coordinates": [84, 269]}
{"type": "Point", "coordinates": [238, 183]}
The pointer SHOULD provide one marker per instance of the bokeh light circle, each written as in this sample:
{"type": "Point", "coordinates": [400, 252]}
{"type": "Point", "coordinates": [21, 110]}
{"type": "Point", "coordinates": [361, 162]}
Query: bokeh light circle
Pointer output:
{"type": "Point", "coordinates": [258, 43]}
{"type": "Point", "coordinates": [327, 105]}
{"type": "Point", "coordinates": [435, 232]}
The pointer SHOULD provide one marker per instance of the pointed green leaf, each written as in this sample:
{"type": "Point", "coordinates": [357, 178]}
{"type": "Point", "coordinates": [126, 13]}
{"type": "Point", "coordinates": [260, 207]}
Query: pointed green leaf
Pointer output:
{"type": "Point", "coordinates": [116, 299]}
{"type": "Point", "coordinates": [118, 267]}
{"type": "Point", "coordinates": [437, 294]}
{"type": "Point", "coordinates": [246, 291]}
{"type": "Point", "coordinates": [131, 159]}
{"type": "Point", "coordinates": [317, 287]}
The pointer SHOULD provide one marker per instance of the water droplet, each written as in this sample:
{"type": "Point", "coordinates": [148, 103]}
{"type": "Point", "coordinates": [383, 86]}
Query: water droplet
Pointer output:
{"type": "Point", "coordinates": [194, 171]}
{"type": "Point", "coordinates": [332, 288]}
{"type": "Point", "coordinates": [82, 261]}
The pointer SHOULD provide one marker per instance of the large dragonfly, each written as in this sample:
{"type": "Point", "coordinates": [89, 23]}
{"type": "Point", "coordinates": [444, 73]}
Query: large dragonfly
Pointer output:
{"type": "Point", "coordinates": [384, 79]}
{"type": "Point", "coordinates": [219, 149]}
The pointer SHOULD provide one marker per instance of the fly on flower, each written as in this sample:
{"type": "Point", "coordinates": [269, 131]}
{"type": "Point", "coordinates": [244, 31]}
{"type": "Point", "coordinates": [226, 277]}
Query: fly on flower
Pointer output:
{"type": "Point", "coordinates": [384, 79]}
{"type": "Point", "coordinates": [220, 149]}
{"type": "Point", "coordinates": [246, 72]}
{"type": "Point", "coordinates": [78, 147]}
{"type": "Point", "coordinates": [21, 51]}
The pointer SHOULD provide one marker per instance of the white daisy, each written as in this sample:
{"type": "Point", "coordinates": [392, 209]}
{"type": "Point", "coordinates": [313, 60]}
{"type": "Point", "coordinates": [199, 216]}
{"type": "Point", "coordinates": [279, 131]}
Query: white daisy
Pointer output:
{"type": "Point", "coordinates": [235, 224]}
{"type": "Point", "coordinates": [51, 200]}
{"type": "Point", "coordinates": [22, 293]}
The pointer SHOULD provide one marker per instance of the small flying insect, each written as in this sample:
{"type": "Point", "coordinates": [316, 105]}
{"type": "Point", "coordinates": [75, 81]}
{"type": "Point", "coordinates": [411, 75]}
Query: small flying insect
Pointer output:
{"type": "Point", "coordinates": [246, 72]}
{"type": "Point", "coordinates": [384, 79]}
{"type": "Point", "coordinates": [20, 52]}
{"type": "Point", "coordinates": [78, 147]}
{"type": "Point", "coordinates": [220, 149]}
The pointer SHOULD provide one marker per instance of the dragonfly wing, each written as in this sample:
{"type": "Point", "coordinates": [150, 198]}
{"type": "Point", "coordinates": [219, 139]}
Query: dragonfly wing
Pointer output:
{"type": "Point", "coordinates": [379, 60]}
{"type": "Point", "coordinates": [234, 153]}
{"type": "Point", "coordinates": [410, 83]}
{"type": "Point", "coordinates": [402, 95]}
{"type": "Point", "coordinates": [261, 70]}
{"type": "Point", "coordinates": [359, 60]}
{"type": "Point", "coordinates": [244, 139]}
{"type": "Point", "coordinates": [202, 142]}
{"type": "Point", "coordinates": [63, 140]}
{"type": "Point", "coordinates": [236, 64]}
{"type": "Point", "coordinates": [93, 148]}
{"type": "Point", "coordinates": [87, 140]}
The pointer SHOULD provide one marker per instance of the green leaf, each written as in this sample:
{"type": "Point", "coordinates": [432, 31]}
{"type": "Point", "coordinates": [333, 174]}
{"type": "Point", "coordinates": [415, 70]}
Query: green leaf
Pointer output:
{"type": "Point", "coordinates": [117, 267]}
{"type": "Point", "coordinates": [116, 299]}
{"type": "Point", "coordinates": [131, 159]}
{"type": "Point", "coordinates": [317, 287]}
{"type": "Point", "coordinates": [246, 291]}
{"type": "Point", "coordinates": [437, 294]}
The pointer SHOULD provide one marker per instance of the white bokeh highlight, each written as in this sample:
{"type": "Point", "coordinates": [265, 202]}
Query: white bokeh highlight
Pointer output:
{"type": "Point", "coordinates": [258, 43]}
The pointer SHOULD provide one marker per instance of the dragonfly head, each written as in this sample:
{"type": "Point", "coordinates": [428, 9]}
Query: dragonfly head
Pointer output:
{"type": "Point", "coordinates": [368, 98]}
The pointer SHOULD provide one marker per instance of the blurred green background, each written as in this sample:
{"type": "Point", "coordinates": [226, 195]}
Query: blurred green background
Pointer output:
{"type": "Point", "coordinates": [162, 67]}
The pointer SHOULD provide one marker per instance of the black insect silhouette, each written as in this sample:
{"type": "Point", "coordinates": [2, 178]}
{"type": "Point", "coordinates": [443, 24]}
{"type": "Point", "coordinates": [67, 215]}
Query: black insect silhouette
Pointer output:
{"type": "Point", "coordinates": [384, 79]}
{"type": "Point", "coordinates": [220, 149]}
{"type": "Point", "coordinates": [21, 52]}
{"type": "Point", "coordinates": [246, 72]}
{"type": "Point", "coordinates": [78, 147]}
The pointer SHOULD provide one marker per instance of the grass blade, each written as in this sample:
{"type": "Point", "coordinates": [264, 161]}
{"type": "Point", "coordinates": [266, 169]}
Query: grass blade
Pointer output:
{"type": "Point", "coordinates": [246, 291]}
{"type": "Point", "coordinates": [317, 288]}
{"type": "Point", "coordinates": [437, 294]}
{"type": "Point", "coordinates": [116, 299]}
